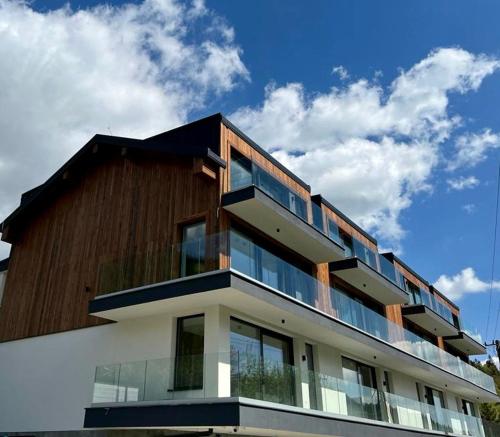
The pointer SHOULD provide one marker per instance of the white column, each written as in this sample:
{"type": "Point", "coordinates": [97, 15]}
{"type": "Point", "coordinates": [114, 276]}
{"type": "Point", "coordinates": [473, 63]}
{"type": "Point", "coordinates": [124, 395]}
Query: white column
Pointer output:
{"type": "Point", "coordinates": [217, 347]}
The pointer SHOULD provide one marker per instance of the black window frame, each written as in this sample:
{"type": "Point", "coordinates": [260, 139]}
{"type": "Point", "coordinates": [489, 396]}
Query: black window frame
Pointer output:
{"type": "Point", "coordinates": [178, 355]}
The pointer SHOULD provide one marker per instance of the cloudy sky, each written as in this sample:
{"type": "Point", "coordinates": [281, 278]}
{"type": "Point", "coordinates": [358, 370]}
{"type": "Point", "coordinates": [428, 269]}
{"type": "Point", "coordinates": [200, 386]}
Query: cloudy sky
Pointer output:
{"type": "Point", "coordinates": [389, 109]}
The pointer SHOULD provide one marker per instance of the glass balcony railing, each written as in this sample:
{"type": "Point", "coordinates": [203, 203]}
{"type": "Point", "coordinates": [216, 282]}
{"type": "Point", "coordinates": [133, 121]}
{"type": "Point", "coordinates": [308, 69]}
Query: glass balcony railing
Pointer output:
{"type": "Point", "coordinates": [422, 296]}
{"type": "Point", "coordinates": [471, 331]}
{"type": "Point", "coordinates": [258, 263]}
{"type": "Point", "coordinates": [251, 377]}
{"type": "Point", "coordinates": [245, 172]}
{"type": "Point", "coordinates": [154, 266]}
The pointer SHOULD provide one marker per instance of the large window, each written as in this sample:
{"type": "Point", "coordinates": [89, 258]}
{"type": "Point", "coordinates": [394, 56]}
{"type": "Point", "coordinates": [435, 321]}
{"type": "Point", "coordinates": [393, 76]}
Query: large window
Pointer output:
{"type": "Point", "coordinates": [261, 364]}
{"type": "Point", "coordinates": [248, 256]}
{"type": "Point", "coordinates": [360, 389]}
{"type": "Point", "coordinates": [436, 414]}
{"type": "Point", "coordinates": [241, 170]}
{"type": "Point", "coordinates": [192, 249]}
{"type": "Point", "coordinates": [189, 354]}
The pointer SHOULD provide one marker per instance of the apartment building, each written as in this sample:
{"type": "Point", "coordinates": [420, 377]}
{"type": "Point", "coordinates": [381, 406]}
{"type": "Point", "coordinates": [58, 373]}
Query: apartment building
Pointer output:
{"type": "Point", "coordinates": [190, 284]}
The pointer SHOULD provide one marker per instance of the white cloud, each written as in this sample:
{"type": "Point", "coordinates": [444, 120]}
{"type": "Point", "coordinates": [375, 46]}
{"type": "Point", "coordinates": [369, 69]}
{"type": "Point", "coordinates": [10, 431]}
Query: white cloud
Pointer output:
{"type": "Point", "coordinates": [472, 148]}
{"type": "Point", "coordinates": [462, 183]}
{"type": "Point", "coordinates": [366, 148]}
{"type": "Point", "coordinates": [341, 72]}
{"type": "Point", "coordinates": [465, 282]}
{"type": "Point", "coordinates": [469, 208]}
{"type": "Point", "coordinates": [133, 70]}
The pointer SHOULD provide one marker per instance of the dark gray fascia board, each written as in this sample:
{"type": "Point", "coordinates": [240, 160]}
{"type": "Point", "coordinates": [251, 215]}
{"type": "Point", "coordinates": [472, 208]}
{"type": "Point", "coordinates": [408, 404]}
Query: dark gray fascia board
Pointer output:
{"type": "Point", "coordinates": [421, 309]}
{"type": "Point", "coordinates": [240, 412]}
{"type": "Point", "coordinates": [252, 191]}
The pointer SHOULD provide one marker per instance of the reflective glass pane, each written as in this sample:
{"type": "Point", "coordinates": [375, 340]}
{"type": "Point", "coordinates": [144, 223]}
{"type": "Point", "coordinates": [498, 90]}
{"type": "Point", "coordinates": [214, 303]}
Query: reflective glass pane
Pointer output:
{"type": "Point", "coordinates": [189, 358]}
{"type": "Point", "coordinates": [193, 249]}
{"type": "Point", "coordinates": [241, 170]}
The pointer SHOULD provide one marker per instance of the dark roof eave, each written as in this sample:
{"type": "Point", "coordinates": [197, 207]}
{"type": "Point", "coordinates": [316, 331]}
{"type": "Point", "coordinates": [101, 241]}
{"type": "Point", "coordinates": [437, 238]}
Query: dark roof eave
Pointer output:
{"type": "Point", "coordinates": [32, 195]}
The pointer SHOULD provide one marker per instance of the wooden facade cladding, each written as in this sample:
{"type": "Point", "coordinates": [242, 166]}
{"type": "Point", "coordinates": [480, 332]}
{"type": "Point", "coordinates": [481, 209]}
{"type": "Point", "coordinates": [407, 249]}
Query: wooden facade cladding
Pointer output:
{"type": "Point", "coordinates": [124, 206]}
{"type": "Point", "coordinates": [128, 206]}
{"type": "Point", "coordinates": [348, 228]}
{"type": "Point", "coordinates": [230, 139]}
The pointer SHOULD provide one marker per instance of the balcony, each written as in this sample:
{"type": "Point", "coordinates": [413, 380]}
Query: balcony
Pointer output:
{"type": "Point", "coordinates": [184, 272]}
{"type": "Point", "coordinates": [369, 280]}
{"type": "Point", "coordinates": [429, 313]}
{"type": "Point", "coordinates": [297, 400]}
{"type": "Point", "coordinates": [262, 200]}
{"type": "Point", "coordinates": [254, 205]}
{"type": "Point", "coordinates": [468, 340]}
{"type": "Point", "coordinates": [376, 279]}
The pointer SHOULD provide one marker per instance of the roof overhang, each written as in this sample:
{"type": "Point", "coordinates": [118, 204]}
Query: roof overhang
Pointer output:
{"type": "Point", "coordinates": [261, 211]}
{"type": "Point", "coordinates": [466, 343]}
{"type": "Point", "coordinates": [426, 318]}
{"type": "Point", "coordinates": [98, 146]}
{"type": "Point", "coordinates": [369, 281]}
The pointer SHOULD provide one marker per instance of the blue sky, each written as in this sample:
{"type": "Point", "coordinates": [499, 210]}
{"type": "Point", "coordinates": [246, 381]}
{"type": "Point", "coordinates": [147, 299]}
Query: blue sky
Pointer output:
{"type": "Point", "coordinates": [269, 46]}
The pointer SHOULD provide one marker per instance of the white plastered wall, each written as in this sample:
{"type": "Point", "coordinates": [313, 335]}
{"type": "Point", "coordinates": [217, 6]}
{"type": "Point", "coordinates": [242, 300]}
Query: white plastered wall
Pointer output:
{"type": "Point", "coordinates": [49, 379]}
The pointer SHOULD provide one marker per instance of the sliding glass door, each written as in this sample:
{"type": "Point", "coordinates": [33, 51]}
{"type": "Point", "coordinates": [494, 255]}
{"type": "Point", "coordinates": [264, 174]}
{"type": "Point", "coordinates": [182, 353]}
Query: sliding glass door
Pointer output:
{"type": "Point", "coordinates": [261, 364]}
{"type": "Point", "coordinates": [248, 256]}
{"type": "Point", "coordinates": [361, 389]}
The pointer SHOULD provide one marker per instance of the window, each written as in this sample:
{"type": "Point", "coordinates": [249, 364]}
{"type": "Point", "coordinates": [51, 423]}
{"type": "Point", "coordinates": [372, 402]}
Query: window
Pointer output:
{"type": "Point", "coordinates": [400, 279]}
{"type": "Point", "coordinates": [347, 242]}
{"type": "Point", "coordinates": [317, 217]}
{"type": "Point", "coordinates": [262, 264]}
{"type": "Point", "coordinates": [414, 292]}
{"type": "Point", "coordinates": [361, 389]}
{"type": "Point", "coordinates": [241, 170]}
{"type": "Point", "coordinates": [364, 254]}
{"type": "Point", "coordinates": [189, 353]}
{"type": "Point", "coordinates": [437, 415]}
{"type": "Point", "coordinates": [193, 249]}
{"type": "Point", "coordinates": [261, 364]}
{"type": "Point", "coordinates": [468, 408]}
{"type": "Point", "coordinates": [333, 231]}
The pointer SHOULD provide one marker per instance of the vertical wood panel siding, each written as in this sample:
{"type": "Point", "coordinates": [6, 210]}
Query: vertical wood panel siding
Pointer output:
{"type": "Point", "coordinates": [123, 209]}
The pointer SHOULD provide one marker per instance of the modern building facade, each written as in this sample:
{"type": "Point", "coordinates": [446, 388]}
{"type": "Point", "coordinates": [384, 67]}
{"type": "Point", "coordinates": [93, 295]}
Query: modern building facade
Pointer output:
{"type": "Point", "coordinates": [190, 284]}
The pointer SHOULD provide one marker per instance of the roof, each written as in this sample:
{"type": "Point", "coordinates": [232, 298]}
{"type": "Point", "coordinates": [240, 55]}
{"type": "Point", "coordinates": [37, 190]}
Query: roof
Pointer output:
{"type": "Point", "coordinates": [35, 196]}
{"type": "Point", "coordinates": [208, 128]}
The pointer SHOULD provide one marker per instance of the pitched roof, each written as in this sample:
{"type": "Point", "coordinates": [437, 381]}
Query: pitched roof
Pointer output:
{"type": "Point", "coordinates": [32, 198]}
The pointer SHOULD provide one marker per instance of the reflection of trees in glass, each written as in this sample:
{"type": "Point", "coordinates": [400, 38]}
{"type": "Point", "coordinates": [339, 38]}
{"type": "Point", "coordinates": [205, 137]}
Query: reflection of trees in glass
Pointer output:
{"type": "Point", "coordinates": [260, 379]}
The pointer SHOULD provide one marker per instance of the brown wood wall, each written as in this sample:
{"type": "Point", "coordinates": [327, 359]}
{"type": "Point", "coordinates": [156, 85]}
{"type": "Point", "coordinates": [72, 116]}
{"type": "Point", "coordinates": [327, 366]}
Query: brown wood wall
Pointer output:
{"type": "Point", "coordinates": [127, 209]}
{"type": "Point", "coordinates": [116, 227]}
{"type": "Point", "coordinates": [348, 229]}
